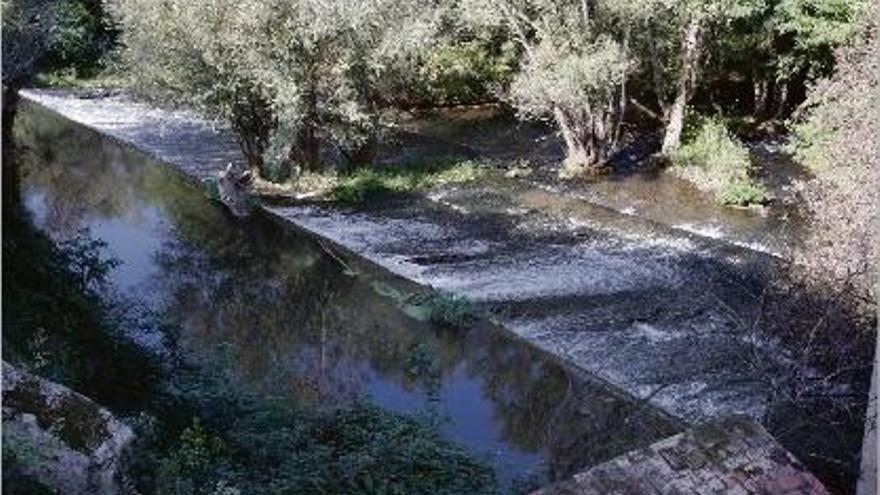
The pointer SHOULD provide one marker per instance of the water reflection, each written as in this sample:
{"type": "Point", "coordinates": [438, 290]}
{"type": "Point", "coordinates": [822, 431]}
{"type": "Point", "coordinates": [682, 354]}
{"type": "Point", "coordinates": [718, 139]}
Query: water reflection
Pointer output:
{"type": "Point", "coordinates": [292, 322]}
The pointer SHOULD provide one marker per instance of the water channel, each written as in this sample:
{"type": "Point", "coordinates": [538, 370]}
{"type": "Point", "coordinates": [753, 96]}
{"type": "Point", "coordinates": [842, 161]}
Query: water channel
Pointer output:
{"type": "Point", "coordinates": [294, 318]}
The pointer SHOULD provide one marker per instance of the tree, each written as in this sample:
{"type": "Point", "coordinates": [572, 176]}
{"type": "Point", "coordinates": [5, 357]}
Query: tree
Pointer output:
{"type": "Point", "coordinates": [780, 47]}
{"type": "Point", "coordinates": [574, 71]}
{"type": "Point", "coordinates": [302, 82]}
{"type": "Point", "coordinates": [675, 42]}
{"type": "Point", "coordinates": [27, 38]}
{"type": "Point", "coordinates": [838, 139]}
{"type": "Point", "coordinates": [807, 33]}
{"type": "Point", "coordinates": [198, 54]}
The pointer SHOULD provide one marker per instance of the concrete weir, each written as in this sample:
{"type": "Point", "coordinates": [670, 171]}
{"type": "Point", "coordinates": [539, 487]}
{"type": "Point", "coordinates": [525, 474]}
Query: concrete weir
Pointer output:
{"type": "Point", "coordinates": [733, 455]}
{"type": "Point", "coordinates": [661, 314]}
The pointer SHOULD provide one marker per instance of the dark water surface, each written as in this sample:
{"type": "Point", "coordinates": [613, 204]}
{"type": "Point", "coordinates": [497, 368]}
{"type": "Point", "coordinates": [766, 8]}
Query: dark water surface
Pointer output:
{"type": "Point", "coordinates": [650, 194]}
{"type": "Point", "coordinates": [292, 320]}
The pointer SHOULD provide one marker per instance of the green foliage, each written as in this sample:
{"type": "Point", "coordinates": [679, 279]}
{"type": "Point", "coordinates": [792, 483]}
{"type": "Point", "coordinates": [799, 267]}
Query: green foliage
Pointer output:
{"type": "Point", "coordinates": [572, 71]}
{"type": "Point", "coordinates": [742, 193]}
{"type": "Point", "coordinates": [465, 68]}
{"type": "Point", "coordinates": [366, 183]}
{"type": "Point", "coordinates": [717, 162]}
{"type": "Point", "coordinates": [28, 35]}
{"type": "Point", "coordinates": [448, 309]}
{"type": "Point", "coordinates": [55, 319]}
{"type": "Point", "coordinates": [258, 446]}
{"type": "Point", "coordinates": [810, 142]}
{"type": "Point", "coordinates": [571, 80]}
{"type": "Point", "coordinates": [813, 29]}
{"type": "Point", "coordinates": [45, 35]}
{"type": "Point", "coordinates": [81, 37]}
{"type": "Point", "coordinates": [302, 81]}
{"type": "Point", "coordinates": [192, 467]}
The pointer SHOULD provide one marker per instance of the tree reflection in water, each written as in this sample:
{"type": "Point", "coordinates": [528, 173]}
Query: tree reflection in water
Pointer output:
{"type": "Point", "coordinates": [288, 320]}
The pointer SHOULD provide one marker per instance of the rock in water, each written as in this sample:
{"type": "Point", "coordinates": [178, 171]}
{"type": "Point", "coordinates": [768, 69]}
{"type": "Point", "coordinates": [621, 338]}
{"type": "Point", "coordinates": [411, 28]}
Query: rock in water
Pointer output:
{"type": "Point", "coordinates": [234, 189]}
{"type": "Point", "coordinates": [60, 438]}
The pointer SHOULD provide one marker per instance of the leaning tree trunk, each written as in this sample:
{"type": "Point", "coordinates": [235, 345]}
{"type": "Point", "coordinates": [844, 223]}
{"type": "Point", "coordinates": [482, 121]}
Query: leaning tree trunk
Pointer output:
{"type": "Point", "coordinates": [11, 172]}
{"type": "Point", "coordinates": [576, 154]}
{"type": "Point", "coordinates": [689, 60]}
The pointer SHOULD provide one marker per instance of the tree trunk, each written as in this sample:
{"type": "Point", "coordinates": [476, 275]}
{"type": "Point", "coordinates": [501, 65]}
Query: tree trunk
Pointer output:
{"type": "Point", "coordinates": [576, 153]}
{"type": "Point", "coordinates": [253, 152]}
{"type": "Point", "coordinates": [782, 98]}
{"type": "Point", "coordinates": [309, 144]}
{"type": "Point", "coordinates": [366, 153]}
{"type": "Point", "coordinates": [11, 172]}
{"type": "Point", "coordinates": [309, 148]}
{"type": "Point", "coordinates": [253, 122]}
{"type": "Point", "coordinates": [760, 89]}
{"type": "Point", "coordinates": [587, 141]}
{"type": "Point", "coordinates": [657, 77]}
{"type": "Point", "coordinates": [689, 60]}
{"type": "Point", "coordinates": [621, 108]}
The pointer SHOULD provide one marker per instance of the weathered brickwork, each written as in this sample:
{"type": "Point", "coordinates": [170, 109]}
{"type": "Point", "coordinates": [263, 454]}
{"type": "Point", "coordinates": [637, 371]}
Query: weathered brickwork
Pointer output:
{"type": "Point", "coordinates": [733, 455]}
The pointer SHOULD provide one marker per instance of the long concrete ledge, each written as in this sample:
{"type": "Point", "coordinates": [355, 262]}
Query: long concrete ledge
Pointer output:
{"type": "Point", "coordinates": [730, 456]}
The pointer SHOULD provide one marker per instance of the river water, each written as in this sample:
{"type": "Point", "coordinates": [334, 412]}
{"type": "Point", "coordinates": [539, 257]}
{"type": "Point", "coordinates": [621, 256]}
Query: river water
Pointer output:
{"type": "Point", "coordinates": [292, 317]}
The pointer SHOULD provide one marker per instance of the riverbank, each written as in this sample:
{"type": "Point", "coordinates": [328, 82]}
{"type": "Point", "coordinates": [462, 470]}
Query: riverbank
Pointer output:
{"type": "Point", "coordinates": [657, 312]}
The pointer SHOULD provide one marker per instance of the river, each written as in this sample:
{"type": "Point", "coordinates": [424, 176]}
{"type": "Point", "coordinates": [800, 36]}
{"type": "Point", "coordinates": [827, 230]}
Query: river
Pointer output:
{"type": "Point", "coordinates": [291, 317]}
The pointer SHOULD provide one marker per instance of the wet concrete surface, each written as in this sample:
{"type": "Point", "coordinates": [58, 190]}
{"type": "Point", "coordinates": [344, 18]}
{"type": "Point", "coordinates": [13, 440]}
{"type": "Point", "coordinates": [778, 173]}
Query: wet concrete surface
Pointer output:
{"type": "Point", "coordinates": [653, 310]}
{"type": "Point", "coordinates": [732, 455]}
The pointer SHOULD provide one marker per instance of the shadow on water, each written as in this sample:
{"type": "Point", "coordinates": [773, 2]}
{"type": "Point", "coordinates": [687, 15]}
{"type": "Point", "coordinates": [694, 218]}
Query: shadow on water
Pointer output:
{"type": "Point", "coordinates": [293, 321]}
{"type": "Point", "coordinates": [632, 187]}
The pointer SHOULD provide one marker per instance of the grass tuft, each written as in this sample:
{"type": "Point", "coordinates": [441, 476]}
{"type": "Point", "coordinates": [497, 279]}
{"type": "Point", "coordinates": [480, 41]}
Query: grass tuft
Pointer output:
{"type": "Point", "coordinates": [368, 183]}
{"type": "Point", "coordinates": [448, 309]}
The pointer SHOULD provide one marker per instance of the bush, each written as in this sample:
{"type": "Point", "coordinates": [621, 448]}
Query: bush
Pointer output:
{"type": "Point", "coordinates": [742, 193]}
{"type": "Point", "coordinates": [717, 162]}
{"type": "Point", "coordinates": [268, 446]}
{"type": "Point", "coordinates": [367, 183]}
{"type": "Point", "coordinates": [448, 309]}
{"type": "Point", "coordinates": [837, 139]}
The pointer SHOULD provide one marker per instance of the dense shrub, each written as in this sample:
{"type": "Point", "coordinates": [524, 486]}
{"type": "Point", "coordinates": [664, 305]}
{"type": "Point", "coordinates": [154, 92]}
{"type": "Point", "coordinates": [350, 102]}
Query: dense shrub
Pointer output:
{"type": "Point", "coordinates": [717, 162]}
{"type": "Point", "coordinates": [838, 140]}
{"type": "Point", "coordinates": [464, 67]}
{"type": "Point", "coordinates": [240, 443]}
